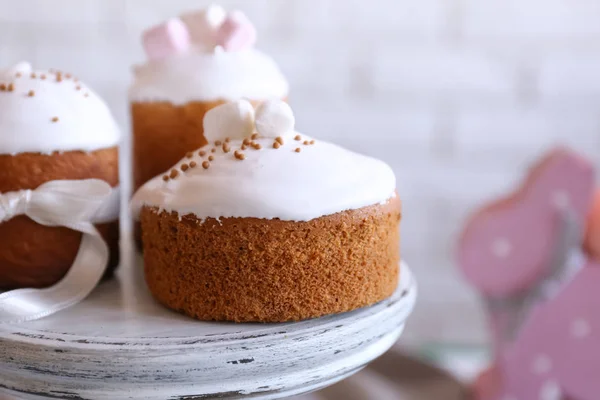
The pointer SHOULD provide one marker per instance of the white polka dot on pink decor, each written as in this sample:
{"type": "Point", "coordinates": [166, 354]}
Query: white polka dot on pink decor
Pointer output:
{"type": "Point", "coordinates": [551, 391]}
{"type": "Point", "coordinates": [542, 364]}
{"type": "Point", "coordinates": [580, 328]}
{"type": "Point", "coordinates": [560, 199]}
{"type": "Point", "coordinates": [501, 248]}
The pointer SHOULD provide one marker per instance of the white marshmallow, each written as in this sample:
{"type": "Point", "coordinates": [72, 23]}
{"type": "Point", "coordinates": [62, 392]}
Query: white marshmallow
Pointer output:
{"type": "Point", "coordinates": [204, 24]}
{"type": "Point", "coordinates": [230, 120]}
{"type": "Point", "coordinates": [275, 118]}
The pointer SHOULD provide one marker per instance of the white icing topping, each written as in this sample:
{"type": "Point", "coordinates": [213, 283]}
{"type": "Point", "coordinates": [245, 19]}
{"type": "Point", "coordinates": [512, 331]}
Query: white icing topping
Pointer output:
{"type": "Point", "coordinates": [43, 112]}
{"type": "Point", "coordinates": [321, 179]}
{"type": "Point", "coordinates": [209, 76]}
{"type": "Point", "coordinates": [285, 175]}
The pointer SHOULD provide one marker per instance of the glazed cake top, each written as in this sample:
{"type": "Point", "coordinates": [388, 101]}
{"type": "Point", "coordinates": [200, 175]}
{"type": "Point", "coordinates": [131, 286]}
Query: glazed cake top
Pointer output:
{"type": "Point", "coordinates": [205, 56]}
{"type": "Point", "coordinates": [47, 111]}
{"type": "Point", "coordinates": [256, 165]}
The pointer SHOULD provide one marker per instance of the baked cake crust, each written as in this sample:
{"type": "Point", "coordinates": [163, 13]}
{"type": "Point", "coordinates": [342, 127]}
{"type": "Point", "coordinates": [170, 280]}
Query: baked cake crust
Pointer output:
{"type": "Point", "coordinates": [33, 255]}
{"type": "Point", "coordinates": [249, 269]}
{"type": "Point", "coordinates": [163, 133]}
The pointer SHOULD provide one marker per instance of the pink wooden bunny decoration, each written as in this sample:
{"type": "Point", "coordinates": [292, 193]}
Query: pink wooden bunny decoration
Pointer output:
{"type": "Point", "coordinates": [506, 246]}
{"type": "Point", "coordinates": [558, 350]}
{"type": "Point", "coordinates": [546, 342]}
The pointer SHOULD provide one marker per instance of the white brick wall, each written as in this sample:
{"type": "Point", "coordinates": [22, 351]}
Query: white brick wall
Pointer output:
{"type": "Point", "coordinates": [457, 95]}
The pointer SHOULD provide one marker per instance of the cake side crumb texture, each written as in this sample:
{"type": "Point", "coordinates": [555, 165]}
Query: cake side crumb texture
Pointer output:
{"type": "Point", "coordinates": [250, 269]}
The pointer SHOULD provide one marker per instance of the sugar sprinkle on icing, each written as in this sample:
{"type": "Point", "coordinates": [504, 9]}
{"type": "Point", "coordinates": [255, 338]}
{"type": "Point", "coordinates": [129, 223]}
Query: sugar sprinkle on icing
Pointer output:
{"type": "Point", "coordinates": [43, 112]}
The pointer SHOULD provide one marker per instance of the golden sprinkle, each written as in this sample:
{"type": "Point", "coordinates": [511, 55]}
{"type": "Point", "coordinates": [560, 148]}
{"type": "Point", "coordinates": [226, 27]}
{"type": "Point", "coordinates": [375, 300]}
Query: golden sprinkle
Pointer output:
{"type": "Point", "coordinates": [205, 164]}
{"type": "Point", "coordinates": [189, 154]}
{"type": "Point", "coordinates": [165, 178]}
{"type": "Point", "coordinates": [193, 164]}
{"type": "Point", "coordinates": [54, 119]}
{"type": "Point", "coordinates": [297, 137]}
{"type": "Point", "coordinates": [58, 78]}
{"type": "Point", "coordinates": [31, 93]}
{"type": "Point", "coordinates": [77, 87]}
{"type": "Point", "coordinates": [174, 173]}
{"type": "Point", "coordinates": [279, 139]}
{"type": "Point", "coordinates": [68, 76]}
{"type": "Point", "coordinates": [254, 136]}
{"type": "Point", "coordinates": [226, 148]}
{"type": "Point", "coordinates": [243, 147]}
{"type": "Point", "coordinates": [10, 87]}
{"type": "Point", "coordinates": [312, 142]}
{"type": "Point", "coordinates": [184, 167]}
{"type": "Point", "coordinates": [297, 150]}
{"type": "Point", "coordinates": [214, 149]}
{"type": "Point", "coordinates": [18, 74]}
{"type": "Point", "coordinates": [276, 145]}
{"type": "Point", "coordinates": [238, 155]}
{"type": "Point", "coordinates": [201, 153]}
{"type": "Point", "coordinates": [246, 141]}
{"type": "Point", "coordinates": [210, 158]}
{"type": "Point", "coordinates": [33, 75]}
{"type": "Point", "coordinates": [2, 87]}
{"type": "Point", "coordinates": [226, 140]}
{"type": "Point", "coordinates": [218, 143]}
{"type": "Point", "coordinates": [257, 146]}
{"type": "Point", "coordinates": [86, 95]}
{"type": "Point", "coordinates": [306, 142]}
{"type": "Point", "coordinates": [42, 77]}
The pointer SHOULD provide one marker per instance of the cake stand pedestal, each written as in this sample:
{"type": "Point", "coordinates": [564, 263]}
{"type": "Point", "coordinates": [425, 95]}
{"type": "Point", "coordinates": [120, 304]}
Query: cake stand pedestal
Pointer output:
{"type": "Point", "coordinates": [120, 344]}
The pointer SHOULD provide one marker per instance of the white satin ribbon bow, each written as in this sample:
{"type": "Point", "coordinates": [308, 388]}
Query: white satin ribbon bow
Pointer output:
{"type": "Point", "coordinates": [74, 204]}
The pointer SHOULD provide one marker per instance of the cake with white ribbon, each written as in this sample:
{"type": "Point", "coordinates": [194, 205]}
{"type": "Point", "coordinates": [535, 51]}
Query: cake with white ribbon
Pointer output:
{"type": "Point", "coordinates": [195, 62]}
{"type": "Point", "coordinates": [52, 128]}
{"type": "Point", "coordinates": [267, 224]}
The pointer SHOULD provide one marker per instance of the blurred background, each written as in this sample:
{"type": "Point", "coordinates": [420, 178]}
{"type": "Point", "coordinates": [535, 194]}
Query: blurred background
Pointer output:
{"type": "Point", "coordinates": [459, 96]}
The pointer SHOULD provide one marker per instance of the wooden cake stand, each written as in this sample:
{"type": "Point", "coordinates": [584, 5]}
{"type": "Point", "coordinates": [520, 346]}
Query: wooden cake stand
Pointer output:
{"type": "Point", "coordinates": [120, 344]}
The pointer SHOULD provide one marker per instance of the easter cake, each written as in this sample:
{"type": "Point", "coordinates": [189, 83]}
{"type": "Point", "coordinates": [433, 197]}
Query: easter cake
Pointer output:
{"type": "Point", "coordinates": [52, 127]}
{"type": "Point", "coordinates": [267, 224]}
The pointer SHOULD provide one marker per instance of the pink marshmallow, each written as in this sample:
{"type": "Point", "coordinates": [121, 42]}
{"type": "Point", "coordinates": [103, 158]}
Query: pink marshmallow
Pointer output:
{"type": "Point", "coordinates": [166, 39]}
{"type": "Point", "coordinates": [509, 246]}
{"type": "Point", "coordinates": [236, 32]}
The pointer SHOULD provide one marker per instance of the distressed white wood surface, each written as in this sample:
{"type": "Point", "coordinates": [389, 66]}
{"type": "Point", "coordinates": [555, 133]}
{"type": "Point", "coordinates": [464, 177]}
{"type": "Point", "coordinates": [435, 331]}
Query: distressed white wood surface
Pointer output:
{"type": "Point", "coordinates": [120, 344]}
